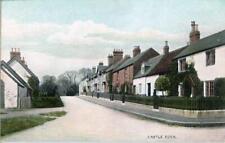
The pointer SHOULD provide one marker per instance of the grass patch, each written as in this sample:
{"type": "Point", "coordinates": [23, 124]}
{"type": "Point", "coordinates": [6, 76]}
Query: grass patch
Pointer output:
{"type": "Point", "coordinates": [12, 125]}
{"type": "Point", "coordinates": [55, 114]}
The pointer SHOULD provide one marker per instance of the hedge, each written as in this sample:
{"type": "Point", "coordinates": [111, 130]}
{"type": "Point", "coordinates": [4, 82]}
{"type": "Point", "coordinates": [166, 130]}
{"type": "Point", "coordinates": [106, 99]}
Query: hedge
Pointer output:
{"type": "Point", "coordinates": [186, 103]}
{"type": "Point", "coordinates": [197, 103]}
{"type": "Point", "coordinates": [220, 87]}
{"type": "Point", "coordinates": [46, 102]}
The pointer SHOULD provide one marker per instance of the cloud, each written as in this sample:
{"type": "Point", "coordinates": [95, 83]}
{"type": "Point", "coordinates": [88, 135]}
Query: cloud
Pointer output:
{"type": "Point", "coordinates": [78, 38]}
{"type": "Point", "coordinates": [48, 46]}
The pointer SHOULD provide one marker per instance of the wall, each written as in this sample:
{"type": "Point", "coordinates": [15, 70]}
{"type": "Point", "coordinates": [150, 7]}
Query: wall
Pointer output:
{"type": "Point", "coordinates": [206, 73]}
{"type": "Point", "coordinates": [144, 81]}
{"type": "Point", "coordinates": [11, 91]}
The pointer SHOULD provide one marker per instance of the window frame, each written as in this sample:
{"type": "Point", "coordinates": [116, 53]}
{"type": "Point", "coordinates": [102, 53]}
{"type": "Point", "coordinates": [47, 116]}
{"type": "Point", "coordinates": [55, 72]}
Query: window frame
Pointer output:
{"type": "Point", "coordinates": [210, 57]}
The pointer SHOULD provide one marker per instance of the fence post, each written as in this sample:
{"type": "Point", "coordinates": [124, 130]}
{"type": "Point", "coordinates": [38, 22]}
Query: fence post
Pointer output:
{"type": "Point", "coordinates": [123, 98]}
{"type": "Point", "coordinates": [155, 100]}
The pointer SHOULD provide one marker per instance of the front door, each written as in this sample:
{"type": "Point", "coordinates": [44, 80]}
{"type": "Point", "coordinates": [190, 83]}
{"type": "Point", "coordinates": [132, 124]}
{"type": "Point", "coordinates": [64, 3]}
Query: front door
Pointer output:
{"type": "Point", "coordinates": [149, 89]}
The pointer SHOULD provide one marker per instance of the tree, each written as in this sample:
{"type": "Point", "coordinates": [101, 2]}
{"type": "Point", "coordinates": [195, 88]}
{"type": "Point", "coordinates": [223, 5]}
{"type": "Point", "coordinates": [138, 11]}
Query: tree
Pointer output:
{"type": "Point", "coordinates": [162, 84]}
{"type": "Point", "coordinates": [48, 86]}
{"type": "Point", "coordinates": [72, 90]}
{"type": "Point", "coordinates": [34, 84]}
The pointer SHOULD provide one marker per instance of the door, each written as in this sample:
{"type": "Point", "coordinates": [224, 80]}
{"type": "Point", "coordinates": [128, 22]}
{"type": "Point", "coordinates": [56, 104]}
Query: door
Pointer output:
{"type": "Point", "coordinates": [149, 89]}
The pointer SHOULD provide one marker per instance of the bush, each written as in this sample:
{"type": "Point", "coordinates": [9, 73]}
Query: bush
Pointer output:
{"type": "Point", "coordinates": [220, 87]}
{"type": "Point", "coordinates": [147, 100]}
{"type": "Point", "coordinates": [197, 103]}
{"type": "Point", "coordinates": [162, 83]}
{"type": "Point", "coordinates": [46, 102]}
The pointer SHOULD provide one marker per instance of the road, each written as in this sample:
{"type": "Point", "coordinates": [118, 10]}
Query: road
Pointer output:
{"type": "Point", "coordinates": [88, 122]}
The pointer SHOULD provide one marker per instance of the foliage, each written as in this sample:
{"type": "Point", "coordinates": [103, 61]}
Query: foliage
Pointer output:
{"type": "Point", "coordinates": [196, 103]}
{"type": "Point", "coordinates": [46, 102]}
{"type": "Point", "coordinates": [220, 87]}
{"type": "Point", "coordinates": [10, 125]}
{"type": "Point", "coordinates": [190, 79]}
{"type": "Point", "coordinates": [49, 86]}
{"type": "Point", "coordinates": [34, 84]}
{"type": "Point", "coordinates": [162, 83]}
{"type": "Point", "coordinates": [173, 79]}
{"type": "Point", "coordinates": [72, 90]}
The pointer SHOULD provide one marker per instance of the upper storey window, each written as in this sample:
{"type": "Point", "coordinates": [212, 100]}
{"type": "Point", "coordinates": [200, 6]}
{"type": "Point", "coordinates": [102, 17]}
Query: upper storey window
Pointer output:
{"type": "Point", "coordinates": [210, 57]}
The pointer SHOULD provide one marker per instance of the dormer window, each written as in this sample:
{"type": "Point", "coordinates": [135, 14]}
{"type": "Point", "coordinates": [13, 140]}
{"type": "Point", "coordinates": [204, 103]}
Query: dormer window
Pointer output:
{"type": "Point", "coordinates": [210, 57]}
{"type": "Point", "coordinates": [183, 65]}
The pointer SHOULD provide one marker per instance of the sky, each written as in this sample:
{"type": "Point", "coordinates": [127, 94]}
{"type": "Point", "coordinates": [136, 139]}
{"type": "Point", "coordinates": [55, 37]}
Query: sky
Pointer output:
{"type": "Point", "coordinates": [60, 35]}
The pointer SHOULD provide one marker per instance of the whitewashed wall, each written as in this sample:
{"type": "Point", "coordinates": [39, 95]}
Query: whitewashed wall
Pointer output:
{"type": "Point", "coordinates": [144, 82]}
{"type": "Point", "coordinates": [211, 72]}
{"type": "Point", "coordinates": [11, 91]}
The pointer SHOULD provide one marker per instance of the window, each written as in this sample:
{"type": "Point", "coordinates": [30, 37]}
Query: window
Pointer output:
{"type": "Point", "coordinates": [140, 88]}
{"type": "Point", "coordinates": [209, 88]}
{"type": "Point", "coordinates": [183, 65]}
{"type": "Point", "coordinates": [210, 57]}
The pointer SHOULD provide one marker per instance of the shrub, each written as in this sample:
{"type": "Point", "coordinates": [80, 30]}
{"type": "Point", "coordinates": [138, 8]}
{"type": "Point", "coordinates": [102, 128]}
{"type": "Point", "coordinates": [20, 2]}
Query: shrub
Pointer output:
{"type": "Point", "coordinates": [162, 83]}
{"type": "Point", "coordinates": [46, 102]}
{"type": "Point", "coordinates": [147, 100]}
{"type": "Point", "coordinates": [197, 103]}
{"type": "Point", "coordinates": [220, 87]}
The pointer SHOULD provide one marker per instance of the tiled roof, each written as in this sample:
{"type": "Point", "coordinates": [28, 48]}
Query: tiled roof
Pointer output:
{"type": "Point", "coordinates": [204, 44]}
{"type": "Point", "coordinates": [114, 66]}
{"type": "Point", "coordinates": [136, 58]}
{"type": "Point", "coordinates": [159, 64]}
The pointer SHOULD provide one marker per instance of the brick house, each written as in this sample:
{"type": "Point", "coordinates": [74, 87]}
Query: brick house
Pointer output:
{"type": "Point", "coordinates": [123, 75]}
{"type": "Point", "coordinates": [114, 61]}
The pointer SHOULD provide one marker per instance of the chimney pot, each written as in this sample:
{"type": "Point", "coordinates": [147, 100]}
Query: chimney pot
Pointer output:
{"type": "Point", "coordinates": [166, 48]}
{"type": "Point", "coordinates": [136, 51]}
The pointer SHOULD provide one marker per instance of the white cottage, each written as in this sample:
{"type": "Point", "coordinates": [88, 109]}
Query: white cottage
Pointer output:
{"type": "Point", "coordinates": [15, 92]}
{"type": "Point", "coordinates": [208, 57]}
{"type": "Point", "coordinates": [144, 80]}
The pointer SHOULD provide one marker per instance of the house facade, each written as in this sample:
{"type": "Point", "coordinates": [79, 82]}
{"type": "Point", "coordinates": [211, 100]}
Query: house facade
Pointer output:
{"type": "Point", "coordinates": [208, 57]}
{"type": "Point", "coordinates": [124, 74]}
{"type": "Point", "coordinates": [15, 92]}
{"type": "Point", "coordinates": [144, 80]}
{"type": "Point", "coordinates": [14, 81]}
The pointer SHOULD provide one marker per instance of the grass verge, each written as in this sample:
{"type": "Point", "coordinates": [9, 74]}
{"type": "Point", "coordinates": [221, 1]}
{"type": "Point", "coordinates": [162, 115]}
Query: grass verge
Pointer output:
{"type": "Point", "coordinates": [12, 125]}
{"type": "Point", "coordinates": [54, 114]}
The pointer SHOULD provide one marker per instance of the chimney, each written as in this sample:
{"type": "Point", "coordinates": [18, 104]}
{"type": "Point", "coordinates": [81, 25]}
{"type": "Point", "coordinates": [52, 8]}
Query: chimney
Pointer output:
{"type": "Point", "coordinates": [15, 53]}
{"type": "Point", "coordinates": [195, 33]}
{"type": "Point", "coordinates": [93, 69]}
{"type": "Point", "coordinates": [117, 55]}
{"type": "Point", "coordinates": [23, 60]}
{"type": "Point", "coordinates": [166, 48]}
{"type": "Point", "coordinates": [110, 60]}
{"type": "Point", "coordinates": [100, 64]}
{"type": "Point", "coordinates": [126, 56]}
{"type": "Point", "coordinates": [136, 51]}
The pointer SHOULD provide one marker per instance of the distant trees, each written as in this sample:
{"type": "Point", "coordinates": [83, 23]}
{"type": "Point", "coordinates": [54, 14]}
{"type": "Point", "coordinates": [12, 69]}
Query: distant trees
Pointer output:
{"type": "Point", "coordinates": [48, 86]}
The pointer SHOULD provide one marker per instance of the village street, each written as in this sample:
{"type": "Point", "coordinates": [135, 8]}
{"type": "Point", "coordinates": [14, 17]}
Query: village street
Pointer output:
{"type": "Point", "coordinates": [88, 122]}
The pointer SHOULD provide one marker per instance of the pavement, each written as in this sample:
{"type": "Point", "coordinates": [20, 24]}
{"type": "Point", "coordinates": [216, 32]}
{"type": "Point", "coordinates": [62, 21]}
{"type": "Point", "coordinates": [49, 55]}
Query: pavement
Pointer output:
{"type": "Point", "coordinates": [147, 111]}
{"type": "Point", "coordinates": [11, 113]}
